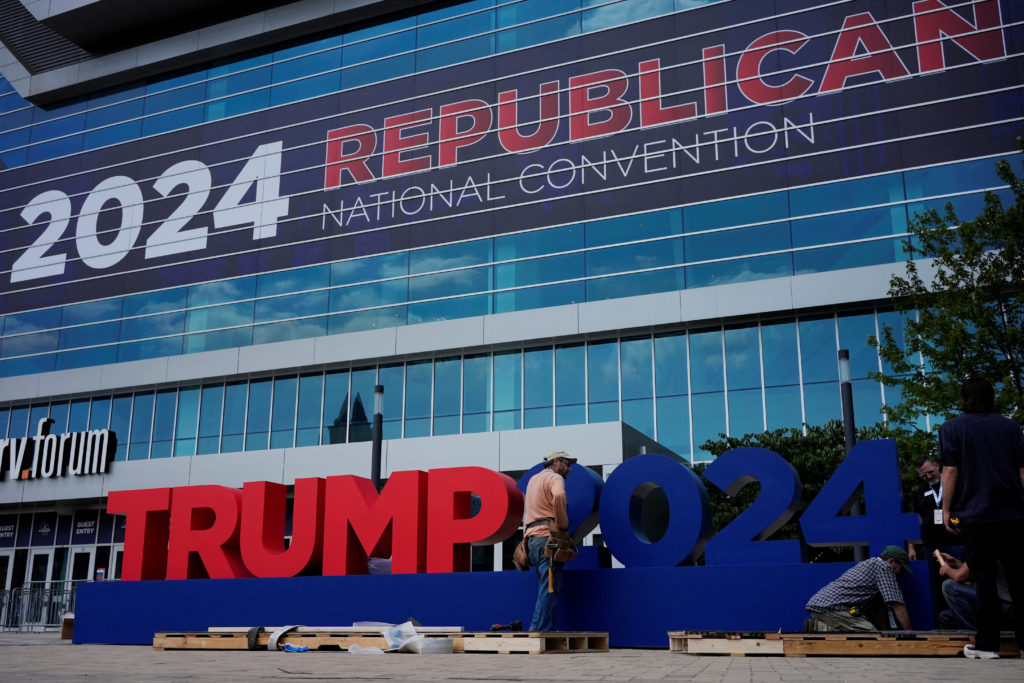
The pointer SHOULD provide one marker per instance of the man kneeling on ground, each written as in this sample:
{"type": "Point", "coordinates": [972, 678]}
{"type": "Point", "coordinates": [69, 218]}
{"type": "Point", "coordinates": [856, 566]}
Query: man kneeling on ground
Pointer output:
{"type": "Point", "coordinates": [841, 605]}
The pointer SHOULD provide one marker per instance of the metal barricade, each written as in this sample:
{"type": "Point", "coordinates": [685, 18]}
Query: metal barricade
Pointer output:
{"type": "Point", "coordinates": [37, 606]}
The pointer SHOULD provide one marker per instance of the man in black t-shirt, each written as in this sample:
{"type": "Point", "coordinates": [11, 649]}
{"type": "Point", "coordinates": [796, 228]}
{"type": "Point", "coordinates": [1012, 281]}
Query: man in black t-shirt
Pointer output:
{"type": "Point", "coordinates": [983, 480]}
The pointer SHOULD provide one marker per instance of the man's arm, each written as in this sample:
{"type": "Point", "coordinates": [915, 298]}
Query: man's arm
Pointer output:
{"type": "Point", "coordinates": [559, 502]}
{"type": "Point", "coordinates": [949, 475]}
{"type": "Point", "coordinates": [899, 610]}
{"type": "Point", "coordinates": [954, 568]}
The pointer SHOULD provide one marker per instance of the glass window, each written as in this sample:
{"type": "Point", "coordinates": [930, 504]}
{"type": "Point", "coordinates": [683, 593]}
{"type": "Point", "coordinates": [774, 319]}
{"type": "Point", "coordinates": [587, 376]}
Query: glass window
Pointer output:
{"type": "Point", "coordinates": [778, 344]}
{"type": "Point", "coordinates": [782, 407]}
{"type": "Point", "coordinates": [369, 295]}
{"type": "Point", "coordinates": [540, 297]}
{"type": "Point", "coordinates": [258, 415]}
{"type": "Point", "coordinates": [670, 365]}
{"type": "Point", "coordinates": [639, 414]}
{"type": "Point", "coordinates": [78, 419]}
{"type": "Point", "coordinates": [822, 403]}
{"type": "Point", "coordinates": [636, 284]}
{"type": "Point", "coordinates": [854, 225]}
{"type": "Point", "coordinates": [454, 53]}
{"type": "Point", "coordinates": [155, 302]}
{"type": "Point", "coordinates": [745, 412]}
{"type": "Point", "coordinates": [846, 195]}
{"type": "Point", "coordinates": [392, 378]}
{"type": "Point", "coordinates": [282, 417]}
{"type": "Point", "coordinates": [224, 291]}
{"type": "Point", "coordinates": [99, 415]}
{"type": "Point", "coordinates": [336, 407]}
{"type": "Point", "coordinates": [634, 257]}
{"type": "Point", "coordinates": [609, 15]}
{"type": "Point", "coordinates": [826, 259]}
{"type": "Point", "coordinates": [706, 372]}
{"type": "Point", "coordinates": [231, 315]}
{"type": "Point", "coordinates": [948, 178]}
{"type": "Point", "coordinates": [361, 418]}
{"type": "Point", "coordinates": [854, 331]}
{"type": "Point", "coordinates": [447, 397]}
{"type": "Point", "coordinates": [570, 405]}
{"type": "Point", "coordinates": [163, 423]}
{"type": "Point", "coordinates": [674, 424]}
{"type": "Point", "coordinates": [418, 378]}
{"type": "Point", "coordinates": [897, 323]}
{"type": "Point", "coordinates": [538, 397]}
{"type": "Point", "coordinates": [450, 256]}
{"type": "Point", "coordinates": [82, 358]}
{"type": "Point", "coordinates": [535, 33]}
{"type": "Point", "coordinates": [58, 413]}
{"type": "Point", "coordinates": [538, 242]}
{"type": "Point", "coordinates": [867, 401]}
{"type": "Point", "coordinates": [740, 211]}
{"type": "Point", "coordinates": [307, 428]}
{"type": "Point", "coordinates": [739, 270]}
{"type": "Point", "coordinates": [374, 72]}
{"type": "Point", "coordinates": [476, 394]}
{"type": "Point", "coordinates": [708, 421]}
{"type": "Point", "coordinates": [637, 381]}
{"type": "Point", "coordinates": [449, 309]}
{"type": "Point", "coordinates": [508, 369]}
{"type": "Point", "coordinates": [365, 269]}
{"type": "Point", "coordinates": [5, 415]}
{"type": "Point", "coordinates": [539, 270]}
{"type": "Point", "coordinates": [728, 243]}
{"type": "Point", "coordinates": [631, 228]}
{"type": "Point", "coordinates": [742, 358]}
{"type": "Point", "coordinates": [120, 423]}
{"type": "Point", "coordinates": [381, 40]}
{"type": "Point", "coordinates": [211, 405]}
{"type": "Point", "coordinates": [87, 335]}
{"type": "Point", "coordinates": [818, 350]}
{"type": "Point", "coordinates": [603, 381]}
{"type": "Point", "coordinates": [187, 422]}
{"type": "Point", "coordinates": [236, 395]}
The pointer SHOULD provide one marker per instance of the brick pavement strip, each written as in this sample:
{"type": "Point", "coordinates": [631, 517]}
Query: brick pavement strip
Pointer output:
{"type": "Point", "coordinates": [35, 657]}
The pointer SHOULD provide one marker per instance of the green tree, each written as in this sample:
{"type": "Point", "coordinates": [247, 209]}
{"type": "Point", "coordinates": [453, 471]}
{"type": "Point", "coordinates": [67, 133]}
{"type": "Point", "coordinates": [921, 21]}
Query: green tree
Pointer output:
{"type": "Point", "coordinates": [963, 310]}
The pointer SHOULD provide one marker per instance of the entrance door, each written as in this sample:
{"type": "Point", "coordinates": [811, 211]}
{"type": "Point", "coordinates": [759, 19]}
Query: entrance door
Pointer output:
{"type": "Point", "coordinates": [6, 572]}
{"type": "Point", "coordinates": [36, 590]}
{"type": "Point", "coordinates": [81, 565]}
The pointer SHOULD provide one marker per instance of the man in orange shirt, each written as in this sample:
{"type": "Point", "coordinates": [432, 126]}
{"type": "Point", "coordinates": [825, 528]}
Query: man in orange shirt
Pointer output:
{"type": "Point", "coordinates": [545, 508]}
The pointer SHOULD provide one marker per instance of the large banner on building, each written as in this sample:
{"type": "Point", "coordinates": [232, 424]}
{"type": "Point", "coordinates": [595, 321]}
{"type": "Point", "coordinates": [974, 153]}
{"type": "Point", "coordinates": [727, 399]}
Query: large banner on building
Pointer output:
{"type": "Point", "coordinates": [726, 100]}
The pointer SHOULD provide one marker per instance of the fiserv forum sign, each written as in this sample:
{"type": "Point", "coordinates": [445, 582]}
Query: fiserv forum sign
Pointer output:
{"type": "Point", "coordinates": [724, 100]}
{"type": "Point", "coordinates": [46, 455]}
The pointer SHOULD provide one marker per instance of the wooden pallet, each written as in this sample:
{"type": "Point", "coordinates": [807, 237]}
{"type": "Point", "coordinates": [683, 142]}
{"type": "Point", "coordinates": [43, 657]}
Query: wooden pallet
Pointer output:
{"type": "Point", "coordinates": [906, 644]}
{"type": "Point", "coordinates": [314, 639]}
{"type": "Point", "coordinates": [737, 644]}
{"type": "Point", "coordinates": [531, 643]}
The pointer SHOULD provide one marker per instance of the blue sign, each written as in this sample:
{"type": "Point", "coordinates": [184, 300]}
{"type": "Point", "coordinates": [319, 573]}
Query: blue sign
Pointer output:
{"type": "Point", "coordinates": [726, 100]}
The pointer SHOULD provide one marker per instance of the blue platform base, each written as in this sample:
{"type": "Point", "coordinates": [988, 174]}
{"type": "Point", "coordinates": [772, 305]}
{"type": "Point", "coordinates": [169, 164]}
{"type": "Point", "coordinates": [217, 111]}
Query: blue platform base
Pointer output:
{"type": "Point", "coordinates": [636, 606]}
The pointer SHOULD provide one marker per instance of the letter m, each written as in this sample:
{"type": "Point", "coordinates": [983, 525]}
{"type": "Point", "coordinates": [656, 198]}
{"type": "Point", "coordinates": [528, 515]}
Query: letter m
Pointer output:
{"type": "Point", "coordinates": [934, 22]}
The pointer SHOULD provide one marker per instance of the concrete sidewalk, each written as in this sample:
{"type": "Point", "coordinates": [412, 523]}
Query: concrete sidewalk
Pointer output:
{"type": "Point", "coordinates": [43, 656]}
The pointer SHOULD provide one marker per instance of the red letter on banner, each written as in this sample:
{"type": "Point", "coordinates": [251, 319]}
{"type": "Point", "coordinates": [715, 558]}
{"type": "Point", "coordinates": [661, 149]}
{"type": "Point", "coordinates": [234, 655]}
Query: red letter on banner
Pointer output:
{"type": "Point", "coordinates": [582, 104]}
{"type": "Point", "coordinates": [508, 120]}
{"type": "Point", "coordinates": [651, 111]}
{"type": "Point", "coordinates": [355, 161]}
{"type": "Point", "coordinates": [395, 143]}
{"type": "Point", "coordinates": [714, 79]}
{"type": "Point", "coordinates": [451, 138]}
{"type": "Point", "coordinates": [453, 527]}
{"type": "Point", "coordinates": [860, 32]}
{"type": "Point", "coordinates": [748, 70]}
{"type": "Point", "coordinates": [359, 523]}
{"type": "Point", "coordinates": [204, 533]}
{"type": "Point", "coordinates": [264, 505]}
{"type": "Point", "coordinates": [145, 533]}
{"type": "Point", "coordinates": [933, 21]}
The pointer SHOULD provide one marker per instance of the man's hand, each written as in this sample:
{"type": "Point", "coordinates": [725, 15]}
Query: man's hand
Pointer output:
{"type": "Point", "coordinates": [899, 610]}
{"type": "Point", "coordinates": [912, 553]}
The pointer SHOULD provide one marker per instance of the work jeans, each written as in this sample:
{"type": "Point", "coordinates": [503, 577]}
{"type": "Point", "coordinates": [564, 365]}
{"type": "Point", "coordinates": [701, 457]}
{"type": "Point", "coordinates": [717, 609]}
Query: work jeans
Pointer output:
{"type": "Point", "coordinates": [841, 621]}
{"type": "Point", "coordinates": [984, 545]}
{"type": "Point", "coordinates": [544, 609]}
{"type": "Point", "coordinates": [962, 600]}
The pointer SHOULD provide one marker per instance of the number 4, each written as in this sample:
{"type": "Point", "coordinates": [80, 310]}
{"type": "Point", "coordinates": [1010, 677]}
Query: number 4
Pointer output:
{"type": "Point", "coordinates": [263, 213]}
{"type": "Point", "coordinates": [826, 521]}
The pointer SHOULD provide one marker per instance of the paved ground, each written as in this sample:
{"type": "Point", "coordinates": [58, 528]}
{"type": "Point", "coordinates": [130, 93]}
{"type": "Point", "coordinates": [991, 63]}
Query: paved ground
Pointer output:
{"type": "Point", "coordinates": [44, 657]}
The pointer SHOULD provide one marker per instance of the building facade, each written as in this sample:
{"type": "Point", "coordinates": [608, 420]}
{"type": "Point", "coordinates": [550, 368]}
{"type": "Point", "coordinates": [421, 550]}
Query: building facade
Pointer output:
{"type": "Point", "coordinates": [604, 226]}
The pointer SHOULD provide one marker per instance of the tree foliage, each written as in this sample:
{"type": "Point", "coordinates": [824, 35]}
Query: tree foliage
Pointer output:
{"type": "Point", "coordinates": [963, 303]}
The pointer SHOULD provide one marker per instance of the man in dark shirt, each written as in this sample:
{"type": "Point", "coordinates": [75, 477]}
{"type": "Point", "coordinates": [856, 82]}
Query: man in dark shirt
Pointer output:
{"type": "Point", "coordinates": [927, 501]}
{"type": "Point", "coordinates": [983, 453]}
